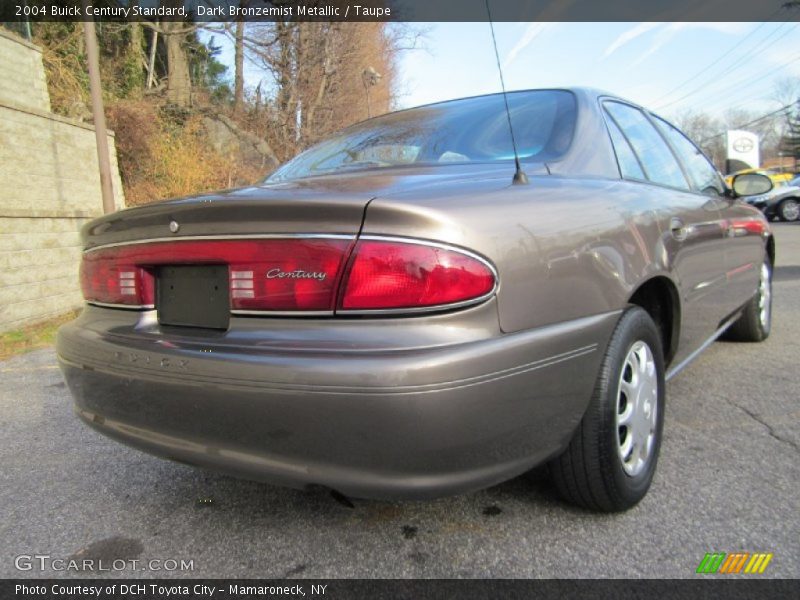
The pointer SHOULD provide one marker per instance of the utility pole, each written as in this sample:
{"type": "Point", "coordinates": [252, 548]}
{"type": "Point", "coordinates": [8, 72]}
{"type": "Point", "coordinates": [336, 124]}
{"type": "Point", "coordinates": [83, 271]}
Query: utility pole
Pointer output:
{"type": "Point", "coordinates": [369, 77]}
{"type": "Point", "coordinates": [98, 114]}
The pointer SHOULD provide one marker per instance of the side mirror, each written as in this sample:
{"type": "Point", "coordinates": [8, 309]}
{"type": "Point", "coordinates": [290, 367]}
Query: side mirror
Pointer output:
{"type": "Point", "coordinates": [751, 184]}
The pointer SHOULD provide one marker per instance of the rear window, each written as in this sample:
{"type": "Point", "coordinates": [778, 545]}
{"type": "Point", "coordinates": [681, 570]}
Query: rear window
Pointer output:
{"type": "Point", "coordinates": [459, 131]}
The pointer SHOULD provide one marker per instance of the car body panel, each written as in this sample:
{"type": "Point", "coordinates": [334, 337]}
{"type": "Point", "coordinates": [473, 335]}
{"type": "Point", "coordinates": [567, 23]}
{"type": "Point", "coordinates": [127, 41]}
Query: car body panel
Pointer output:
{"type": "Point", "coordinates": [543, 259]}
{"type": "Point", "coordinates": [744, 248]}
{"type": "Point", "coordinates": [695, 262]}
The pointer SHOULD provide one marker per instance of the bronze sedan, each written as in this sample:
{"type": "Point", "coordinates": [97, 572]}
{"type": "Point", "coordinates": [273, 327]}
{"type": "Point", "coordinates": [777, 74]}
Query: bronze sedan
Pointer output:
{"type": "Point", "coordinates": [388, 315]}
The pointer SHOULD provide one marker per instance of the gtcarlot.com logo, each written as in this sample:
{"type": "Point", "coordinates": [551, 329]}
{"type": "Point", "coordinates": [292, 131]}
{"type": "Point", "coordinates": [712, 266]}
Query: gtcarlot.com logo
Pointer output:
{"type": "Point", "coordinates": [44, 562]}
{"type": "Point", "coordinates": [733, 563]}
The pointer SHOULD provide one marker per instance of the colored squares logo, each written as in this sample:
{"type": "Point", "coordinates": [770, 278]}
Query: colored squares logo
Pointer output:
{"type": "Point", "coordinates": [733, 563]}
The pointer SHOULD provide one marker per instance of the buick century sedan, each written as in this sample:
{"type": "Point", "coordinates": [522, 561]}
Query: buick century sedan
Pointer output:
{"type": "Point", "coordinates": [401, 312]}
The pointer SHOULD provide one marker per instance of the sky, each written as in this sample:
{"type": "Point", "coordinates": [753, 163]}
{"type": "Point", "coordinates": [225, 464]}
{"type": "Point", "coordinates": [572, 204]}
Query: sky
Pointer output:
{"type": "Point", "coordinates": [667, 67]}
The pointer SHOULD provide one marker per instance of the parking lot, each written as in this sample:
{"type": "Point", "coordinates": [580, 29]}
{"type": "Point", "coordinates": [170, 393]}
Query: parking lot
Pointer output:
{"type": "Point", "coordinates": [728, 481]}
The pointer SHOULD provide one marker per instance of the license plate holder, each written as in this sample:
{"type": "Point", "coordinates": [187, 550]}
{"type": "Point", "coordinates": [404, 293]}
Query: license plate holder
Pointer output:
{"type": "Point", "coordinates": [193, 296]}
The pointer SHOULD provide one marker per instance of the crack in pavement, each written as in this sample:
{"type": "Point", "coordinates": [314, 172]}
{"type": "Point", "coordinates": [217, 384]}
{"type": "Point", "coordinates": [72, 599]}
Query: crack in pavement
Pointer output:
{"type": "Point", "coordinates": [757, 418]}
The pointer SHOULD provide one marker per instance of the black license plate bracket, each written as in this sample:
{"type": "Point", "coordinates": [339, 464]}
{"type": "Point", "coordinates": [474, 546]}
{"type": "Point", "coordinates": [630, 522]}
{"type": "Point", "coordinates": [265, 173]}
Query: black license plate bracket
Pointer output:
{"type": "Point", "coordinates": [193, 296]}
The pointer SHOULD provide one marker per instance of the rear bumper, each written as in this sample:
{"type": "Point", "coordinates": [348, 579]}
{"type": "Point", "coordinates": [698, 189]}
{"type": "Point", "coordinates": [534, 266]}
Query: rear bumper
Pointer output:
{"type": "Point", "coordinates": [446, 410]}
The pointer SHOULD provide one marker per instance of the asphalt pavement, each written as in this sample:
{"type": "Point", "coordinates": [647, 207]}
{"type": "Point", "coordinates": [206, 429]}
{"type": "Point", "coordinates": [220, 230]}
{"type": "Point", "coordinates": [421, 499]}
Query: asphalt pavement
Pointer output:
{"type": "Point", "coordinates": [728, 480]}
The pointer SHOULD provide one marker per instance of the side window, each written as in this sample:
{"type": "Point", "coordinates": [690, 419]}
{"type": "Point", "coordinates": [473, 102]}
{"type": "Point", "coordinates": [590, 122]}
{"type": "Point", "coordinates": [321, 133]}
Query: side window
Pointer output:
{"type": "Point", "coordinates": [659, 164]}
{"type": "Point", "coordinates": [628, 163]}
{"type": "Point", "coordinates": [704, 176]}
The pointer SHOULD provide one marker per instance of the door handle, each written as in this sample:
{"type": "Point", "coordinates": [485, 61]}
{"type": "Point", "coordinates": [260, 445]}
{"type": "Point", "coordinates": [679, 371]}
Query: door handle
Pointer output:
{"type": "Point", "coordinates": [678, 229]}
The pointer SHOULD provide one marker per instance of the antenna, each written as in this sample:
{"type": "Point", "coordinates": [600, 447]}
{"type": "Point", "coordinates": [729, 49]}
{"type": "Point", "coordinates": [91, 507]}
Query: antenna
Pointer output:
{"type": "Point", "coordinates": [520, 178]}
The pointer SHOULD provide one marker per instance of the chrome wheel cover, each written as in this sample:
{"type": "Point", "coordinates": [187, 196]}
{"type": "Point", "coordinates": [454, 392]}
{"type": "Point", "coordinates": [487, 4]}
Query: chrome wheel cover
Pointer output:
{"type": "Point", "coordinates": [636, 412]}
{"type": "Point", "coordinates": [765, 297]}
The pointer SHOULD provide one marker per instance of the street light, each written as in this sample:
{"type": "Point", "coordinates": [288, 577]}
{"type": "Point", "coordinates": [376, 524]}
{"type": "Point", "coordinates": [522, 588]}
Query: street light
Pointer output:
{"type": "Point", "coordinates": [369, 77]}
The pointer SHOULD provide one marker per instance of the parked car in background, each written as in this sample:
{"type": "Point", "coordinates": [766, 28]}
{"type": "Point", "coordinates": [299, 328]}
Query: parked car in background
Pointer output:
{"type": "Point", "coordinates": [389, 316]}
{"type": "Point", "coordinates": [779, 203]}
{"type": "Point", "coordinates": [779, 178]}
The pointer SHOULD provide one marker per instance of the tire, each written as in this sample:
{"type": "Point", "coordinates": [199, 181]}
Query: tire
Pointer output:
{"type": "Point", "coordinates": [755, 322]}
{"type": "Point", "coordinates": [788, 210]}
{"type": "Point", "coordinates": [595, 471]}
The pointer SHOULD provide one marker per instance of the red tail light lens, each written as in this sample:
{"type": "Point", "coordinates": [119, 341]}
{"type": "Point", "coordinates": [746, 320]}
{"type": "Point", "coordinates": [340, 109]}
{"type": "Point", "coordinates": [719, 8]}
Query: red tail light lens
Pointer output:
{"type": "Point", "coordinates": [396, 275]}
{"type": "Point", "coordinates": [264, 275]}
{"type": "Point", "coordinates": [115, 281]}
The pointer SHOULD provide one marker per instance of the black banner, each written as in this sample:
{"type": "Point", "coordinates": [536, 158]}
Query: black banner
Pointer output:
{"type": "Point", "coordinates": [334, 589]}
{"type": "Point", "coordinates": [399, 10]}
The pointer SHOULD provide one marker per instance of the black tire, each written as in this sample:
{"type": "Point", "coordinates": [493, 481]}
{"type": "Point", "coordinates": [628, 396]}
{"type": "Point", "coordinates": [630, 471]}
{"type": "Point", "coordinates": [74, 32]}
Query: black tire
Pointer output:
{"type": "Point", "coordinates": [590, 472]}
{"type": "Point", "coordinates": [754, 325]}
{"type": "Point", "coordinates": [788, 210]}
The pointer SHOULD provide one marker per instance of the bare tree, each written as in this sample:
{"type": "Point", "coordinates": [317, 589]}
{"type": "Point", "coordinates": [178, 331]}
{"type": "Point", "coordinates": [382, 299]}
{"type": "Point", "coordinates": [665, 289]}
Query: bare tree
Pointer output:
{"type": "Point", "coordinates": [238, 62]}
{"type": "Point", "coordinates": [317, 72]}
{"type": "Point", "coordinates": [705, 131]}
{"type": "Point", "coordinates": [786, 90]}
{"type": "Point", "coordinates": [179, 82]}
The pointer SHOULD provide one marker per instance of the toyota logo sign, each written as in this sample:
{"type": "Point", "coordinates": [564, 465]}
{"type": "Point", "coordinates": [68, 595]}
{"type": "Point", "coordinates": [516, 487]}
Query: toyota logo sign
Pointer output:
{"type": "Point", "coordinates": [743, 145]}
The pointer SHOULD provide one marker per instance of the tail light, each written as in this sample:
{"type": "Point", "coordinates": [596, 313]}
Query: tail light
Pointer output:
{"type": "Point", "coordinates": [108, 280]}
{"type": "Point", "coordinates": [390, 275]}
{"type": "Point", "coordinates": [323, 275]}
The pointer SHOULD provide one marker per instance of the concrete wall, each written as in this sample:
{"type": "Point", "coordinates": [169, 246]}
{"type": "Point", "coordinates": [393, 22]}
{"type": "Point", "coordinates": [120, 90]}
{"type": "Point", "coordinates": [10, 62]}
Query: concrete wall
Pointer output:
{"type": "Point", "coordinates": [49, 187]}
{"type": "Point", "coordinates": [23, 80]}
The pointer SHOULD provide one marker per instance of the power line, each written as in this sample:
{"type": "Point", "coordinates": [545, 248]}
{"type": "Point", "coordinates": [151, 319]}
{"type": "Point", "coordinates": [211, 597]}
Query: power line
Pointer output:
{"type": "Point", "coordinates": [754, 121]}
{"type": "Point", "coordinates": [736, 65]}
{"type": "Point", "coordinates": [749, 81]}
{"type": "Point", "coordinates": [736, 46]}
{"type": "Point", "coordinates": [754, 52]}
{"type": "Point", "coordinates": [759, 98]}
{"type": "Point", "coordinates": [762, 45]}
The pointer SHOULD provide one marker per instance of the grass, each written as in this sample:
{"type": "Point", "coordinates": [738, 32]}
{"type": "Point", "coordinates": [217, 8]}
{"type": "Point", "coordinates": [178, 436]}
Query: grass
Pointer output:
{"type": "Point", "coordinates": [32, 337]}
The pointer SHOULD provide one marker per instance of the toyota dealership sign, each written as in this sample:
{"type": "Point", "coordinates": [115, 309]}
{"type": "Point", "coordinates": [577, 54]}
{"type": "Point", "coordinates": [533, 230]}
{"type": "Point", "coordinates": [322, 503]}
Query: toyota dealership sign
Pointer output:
{"type": "Point", "coordinates": [743, 146]}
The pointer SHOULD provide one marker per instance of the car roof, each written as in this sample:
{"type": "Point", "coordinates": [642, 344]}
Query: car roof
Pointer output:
{"type": "Point", "coordinates": [582, 91]}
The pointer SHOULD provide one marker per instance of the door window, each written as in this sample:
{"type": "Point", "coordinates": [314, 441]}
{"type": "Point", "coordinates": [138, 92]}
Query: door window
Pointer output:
{"type": "Point", "coordinates": [657, 160]}
{"type": "Point", "coordinates": [629, 165]}
{"type": "Point", "coordinates": [703, 175]}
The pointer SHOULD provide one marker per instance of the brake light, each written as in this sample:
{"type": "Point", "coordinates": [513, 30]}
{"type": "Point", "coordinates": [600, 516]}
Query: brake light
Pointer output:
{"type": "Point", "coordinates": [396, 275]}
{"type": "Point", "coordinates": [297, 275]}
{"type": "Point", "coordinates": [112, 281]}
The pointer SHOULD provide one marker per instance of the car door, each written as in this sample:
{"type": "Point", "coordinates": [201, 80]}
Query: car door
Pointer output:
{"type": "Point", "coordinates": [743, 246]}
{"type": "Point", "coordinates": [690, 222]}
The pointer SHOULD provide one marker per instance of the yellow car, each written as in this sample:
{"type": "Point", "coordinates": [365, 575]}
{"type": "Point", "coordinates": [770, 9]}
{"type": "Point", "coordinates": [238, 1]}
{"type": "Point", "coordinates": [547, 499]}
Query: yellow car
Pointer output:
{"type": "Point", "coordinates": [778, 178]}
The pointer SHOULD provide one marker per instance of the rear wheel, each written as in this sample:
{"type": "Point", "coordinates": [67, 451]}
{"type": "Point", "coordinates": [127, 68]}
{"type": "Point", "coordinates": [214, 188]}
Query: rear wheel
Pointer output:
{"type": "Point", "coordinates": [755, 322]}
{"type": "Point", "coordinates": [788, 210]}
{"type": "Point", "coordinates": [610, 462]}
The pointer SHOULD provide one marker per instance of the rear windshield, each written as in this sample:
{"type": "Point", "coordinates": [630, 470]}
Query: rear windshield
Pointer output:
{"type": "Point", "coordinates": [459, 131]}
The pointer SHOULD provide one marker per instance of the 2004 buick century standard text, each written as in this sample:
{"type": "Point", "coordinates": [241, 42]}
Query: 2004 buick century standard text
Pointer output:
{"type": "Point", "coordinates": [388, 315]}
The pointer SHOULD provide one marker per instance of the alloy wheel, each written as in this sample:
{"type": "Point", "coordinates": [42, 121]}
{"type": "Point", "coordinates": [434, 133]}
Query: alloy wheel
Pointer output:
{"type": "Point", "coordinates": [790, 210]}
